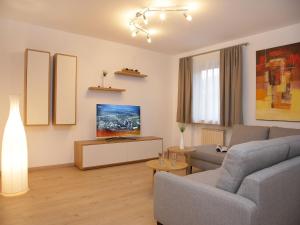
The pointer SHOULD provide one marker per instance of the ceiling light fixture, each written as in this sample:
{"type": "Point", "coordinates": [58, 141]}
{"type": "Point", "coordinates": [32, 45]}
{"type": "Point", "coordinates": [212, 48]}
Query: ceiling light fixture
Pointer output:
{"type": "Point", "coordinates": [140, 21]}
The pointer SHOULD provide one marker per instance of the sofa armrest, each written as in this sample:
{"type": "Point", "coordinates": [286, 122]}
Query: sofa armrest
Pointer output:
{"type": "Point", "coordinates": [179, 201]}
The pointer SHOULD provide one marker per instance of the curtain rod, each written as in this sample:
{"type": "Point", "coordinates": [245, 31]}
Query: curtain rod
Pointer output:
{"type": "Point", "coordinates": [216, 50]}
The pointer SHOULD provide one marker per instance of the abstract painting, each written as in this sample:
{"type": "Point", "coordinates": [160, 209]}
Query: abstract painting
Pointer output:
{"type": "Point", "coordinates": [278, 83]}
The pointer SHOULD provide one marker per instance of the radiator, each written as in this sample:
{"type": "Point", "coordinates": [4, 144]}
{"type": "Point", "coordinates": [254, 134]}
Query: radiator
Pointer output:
{"type": "Point", "coordinates": [212, 136]}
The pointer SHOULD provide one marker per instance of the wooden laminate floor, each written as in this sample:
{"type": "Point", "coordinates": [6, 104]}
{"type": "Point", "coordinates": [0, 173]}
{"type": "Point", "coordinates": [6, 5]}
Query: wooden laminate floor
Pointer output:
{"type": "Point", "coordinates": [120, 195]}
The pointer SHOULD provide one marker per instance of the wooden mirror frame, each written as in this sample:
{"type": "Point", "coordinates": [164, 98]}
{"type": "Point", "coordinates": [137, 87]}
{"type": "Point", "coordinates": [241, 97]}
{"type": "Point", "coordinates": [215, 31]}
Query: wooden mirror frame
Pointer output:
{"type": "Point", "coordinates": [65, 85]}
{"type": "Point", "coordinates": [37, 88]}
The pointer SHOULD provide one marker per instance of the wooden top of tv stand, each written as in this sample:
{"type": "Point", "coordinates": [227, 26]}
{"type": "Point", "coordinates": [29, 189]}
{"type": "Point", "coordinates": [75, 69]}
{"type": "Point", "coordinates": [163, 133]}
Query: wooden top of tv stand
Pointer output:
{"type": "Point", "coordinates": [112, 141]}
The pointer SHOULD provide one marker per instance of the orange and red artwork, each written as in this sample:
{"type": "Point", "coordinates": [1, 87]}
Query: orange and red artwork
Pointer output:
{"type": "Point", "coordinates": [278, 83]}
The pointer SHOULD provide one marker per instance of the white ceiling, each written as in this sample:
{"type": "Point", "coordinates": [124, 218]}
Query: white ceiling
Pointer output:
{"type": "Point", "coordinates": [213, 21]}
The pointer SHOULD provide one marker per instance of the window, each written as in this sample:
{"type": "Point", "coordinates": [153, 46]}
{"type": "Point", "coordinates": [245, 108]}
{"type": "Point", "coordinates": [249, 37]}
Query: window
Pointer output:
{"type": "Point", "coordinates": [206, 88]}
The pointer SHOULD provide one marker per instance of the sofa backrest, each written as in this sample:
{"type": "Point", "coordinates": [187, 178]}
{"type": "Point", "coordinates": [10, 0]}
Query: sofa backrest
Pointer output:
{"type": "Point", "coordinates": [242, 134]}
{"type": "Point", "coordinates": [294, 143]}
{"type": "Point", "coordinates": [276, 132]}
{"type": "Point", "coordinates": [276, 192]}
{"type": "Point", "coordinates": [247, 158]}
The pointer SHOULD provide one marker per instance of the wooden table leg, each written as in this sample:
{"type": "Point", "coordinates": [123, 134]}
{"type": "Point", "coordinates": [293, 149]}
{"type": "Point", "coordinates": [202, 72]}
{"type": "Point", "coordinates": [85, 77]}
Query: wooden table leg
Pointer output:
{"type": "Point", "coordinates": [154, 172]}
{"type": "Point", "coordinates": [187, 160]}
{"type": "Point", "coordinates": [189, 170]}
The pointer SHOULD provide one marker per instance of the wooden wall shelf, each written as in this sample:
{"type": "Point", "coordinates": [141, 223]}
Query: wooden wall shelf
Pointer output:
{"type": "Point", "coordinates": [106, 89]}
{"type": "Point", "coordinates": [130, 74]}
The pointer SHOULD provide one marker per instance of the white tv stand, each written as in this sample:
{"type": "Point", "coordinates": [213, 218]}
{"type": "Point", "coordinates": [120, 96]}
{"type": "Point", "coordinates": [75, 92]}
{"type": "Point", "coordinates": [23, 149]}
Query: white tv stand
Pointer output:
{"type": "Point", "coordinates": [91, 154]}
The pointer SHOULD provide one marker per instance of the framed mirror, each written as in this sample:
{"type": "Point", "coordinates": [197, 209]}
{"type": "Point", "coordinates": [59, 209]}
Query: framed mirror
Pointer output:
{"type": "Point", "coordinates": [65, 85]}
{"type": "Point", "coordinates": [37, 87]}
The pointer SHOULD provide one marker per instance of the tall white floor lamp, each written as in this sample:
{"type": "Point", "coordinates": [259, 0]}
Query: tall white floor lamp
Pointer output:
{"type": "Point", "coordinates": [14, 158]}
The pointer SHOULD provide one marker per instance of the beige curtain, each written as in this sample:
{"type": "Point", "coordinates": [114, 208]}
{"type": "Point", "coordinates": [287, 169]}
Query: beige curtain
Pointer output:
{"type": "Point", "coordinates": [231, 86]}
{"type": "Point", "coordinates": [184, 106]}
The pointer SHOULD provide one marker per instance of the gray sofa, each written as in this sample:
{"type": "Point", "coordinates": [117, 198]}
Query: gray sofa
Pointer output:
{"type": "Point", "coordinates": [257, 184]}
{"type": "Point", "coordinates": [206, 157]}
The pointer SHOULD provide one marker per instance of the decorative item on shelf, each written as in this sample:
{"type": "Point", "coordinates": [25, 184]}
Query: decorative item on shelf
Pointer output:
{"type": "Point", "coordinates": [102, 86]}
{"type": "Point", "coordinates": [14, 159]}
{"type": "Point", "coordinates": [131, 71]}
{"type": "Point", "coordinates": [103, 75]}
{"type": "Point", "coordinates": [181, 127]}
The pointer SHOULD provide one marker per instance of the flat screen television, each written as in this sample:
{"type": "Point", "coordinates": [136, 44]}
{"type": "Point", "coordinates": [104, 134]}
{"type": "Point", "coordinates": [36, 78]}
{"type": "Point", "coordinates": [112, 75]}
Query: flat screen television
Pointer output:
{"type": "Point", "coordinates": [118, 120]}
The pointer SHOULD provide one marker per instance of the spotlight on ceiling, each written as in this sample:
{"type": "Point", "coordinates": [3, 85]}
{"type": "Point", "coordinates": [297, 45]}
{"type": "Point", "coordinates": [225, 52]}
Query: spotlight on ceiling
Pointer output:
{"type": "Point", "coordinates": [162, 16]}
{"type": "Point", "coordinates": [149, 39]}
{"type": "Point", "coordinates": [131, 27]}
{"type": "Point", "coordinates": [188, 17]}
{"type": "Point", "coordinates": [134, 33]}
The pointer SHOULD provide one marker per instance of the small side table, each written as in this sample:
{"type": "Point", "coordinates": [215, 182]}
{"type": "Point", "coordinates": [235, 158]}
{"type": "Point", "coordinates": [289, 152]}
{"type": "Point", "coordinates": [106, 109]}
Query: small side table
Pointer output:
{"type": "Point", "coordinates": [185, 151]}
{"type": "Point", "coordinates": [166, 166]}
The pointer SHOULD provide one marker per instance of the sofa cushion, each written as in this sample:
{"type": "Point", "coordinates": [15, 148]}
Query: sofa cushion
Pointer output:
{"type": "Point", "coordinates": [203, 165]}
{"type": "Point", "coordinates": [276, 132]}
{"type": "Point", "coordinates": [242, 134]}
{"type": "Point", "coordinates": [244, 159]}
{"type": "Point", "coordinates": [209, 177]}
{"type": "Point", "coordinates": [208, 153]}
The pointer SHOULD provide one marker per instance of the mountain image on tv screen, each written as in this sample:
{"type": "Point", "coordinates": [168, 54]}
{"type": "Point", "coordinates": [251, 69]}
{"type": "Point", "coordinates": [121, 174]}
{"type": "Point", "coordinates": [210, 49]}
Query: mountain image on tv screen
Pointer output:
{"type": "Point", "coordinates": [118, 120]}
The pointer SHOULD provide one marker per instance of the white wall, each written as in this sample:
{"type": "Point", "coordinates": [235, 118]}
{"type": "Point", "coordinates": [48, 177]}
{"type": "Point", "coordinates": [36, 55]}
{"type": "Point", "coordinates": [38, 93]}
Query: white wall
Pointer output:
{"type": "Point", "coordinates": [274, 38]}
{"type": "Point", "coordinates": [157, 94]}
{"type": "Point", "coordinates": [54, 144]}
